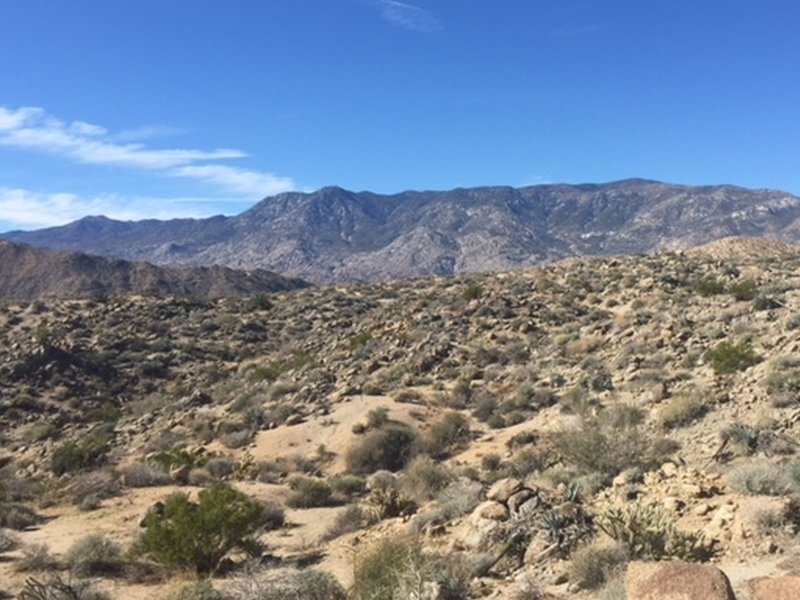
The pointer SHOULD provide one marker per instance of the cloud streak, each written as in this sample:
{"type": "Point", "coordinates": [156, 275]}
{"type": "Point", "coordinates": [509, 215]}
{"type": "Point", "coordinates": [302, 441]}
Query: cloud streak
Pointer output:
{"type": "Point", "coordinates": [25, 209]}
{"type": "Point", "coordinates": [32, 128]}
{"type": "Point", "coordinates": [407, 16]}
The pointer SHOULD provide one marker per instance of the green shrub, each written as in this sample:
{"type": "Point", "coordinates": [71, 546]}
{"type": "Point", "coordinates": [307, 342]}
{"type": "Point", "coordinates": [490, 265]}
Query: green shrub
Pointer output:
{"type": "Point", "coordinates": [389, 449]}
{"type": "Point", "coordinates": [198, 536]}
{"type": "Point", "coordinates": [709, 287]}
{"type": "Point", "coordinates": [472, 291]}
{"type": "Point", "coordinates": [648, 533]}
{"type": "Point", "coordinates": [94, 555]}
{"type": "Point", "coordinates": [727, 358]}
{"type": "Point", "coordinates": [176, 457]}
{"type": "Point", "coordinates": [81, 453]}
{"type": "Point", "coordinates": [744, 290]}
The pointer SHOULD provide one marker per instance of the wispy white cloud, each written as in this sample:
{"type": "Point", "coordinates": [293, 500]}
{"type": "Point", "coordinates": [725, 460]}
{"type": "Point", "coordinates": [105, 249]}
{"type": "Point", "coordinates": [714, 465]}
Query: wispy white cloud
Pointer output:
{"type": "Point", "coordinates": [25, 209]}
{"type": "Point", "coordinates": [406, 15]}
{"type": "Point", "coordinates": [147, 132]}
{"type": "Point", "coordinates": [32, 128]}
{"type": "Point", "coordinates": [240, 181]}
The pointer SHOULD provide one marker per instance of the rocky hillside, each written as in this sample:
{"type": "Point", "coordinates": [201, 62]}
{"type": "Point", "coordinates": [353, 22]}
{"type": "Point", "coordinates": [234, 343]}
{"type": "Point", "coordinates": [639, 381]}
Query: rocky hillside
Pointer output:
{"type": "Point", "coordinates": [334, 235]}
{"type": "Point", "coordinates": [28, 273]}
{"type": "Point", "coordinates": [536, 434]}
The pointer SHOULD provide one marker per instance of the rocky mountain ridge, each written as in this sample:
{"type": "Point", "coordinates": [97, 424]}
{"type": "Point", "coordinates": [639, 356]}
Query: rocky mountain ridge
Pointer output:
{"type": "Point", "coordinates": [334, 235]}
{"type": "Point", "coordinates": [28, 273]}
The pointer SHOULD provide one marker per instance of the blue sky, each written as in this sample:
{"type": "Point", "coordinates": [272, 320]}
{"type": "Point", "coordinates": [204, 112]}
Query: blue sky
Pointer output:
{"type": "Point", "coordinates": [165, 108]}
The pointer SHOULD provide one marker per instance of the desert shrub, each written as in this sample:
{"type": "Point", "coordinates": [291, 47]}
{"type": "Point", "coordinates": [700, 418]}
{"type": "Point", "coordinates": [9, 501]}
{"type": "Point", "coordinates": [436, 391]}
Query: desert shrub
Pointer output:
{"type": "Point", "coordinates": [472, 291]}
{"type": "Point", "coordinates": [348, 486]}
{"type": "Point", "coordinates": [456, 500]}
{"type": "Point", "coordinates": [94, 555]}
{"type": "Point", "coordinates": [8, 541]}
{"type": "Point", "coordinates": [709, 286]}
{"type": "Point", "coordinates": [397, 569]}
{"type": "Point", "coordinates": [308, 584]}
{"type": "Point", "coordinates": [485, 407]}
{"type": "Point", "coordinates": [273, 516]}
{"type": "Point", "coordinates": [389, 448]}
{"type": "Point", "coordinates": [198, 536]}
{"type": "Point", "coordinates": [377, 417]}
{"type": "Point", "coordinates": [220, 468]}
{"type": "Point", "coordinates": [608, 443]}
{"type": "Point", "coordinates": [648, 533]}
{"type": "Point", "coordinates": [727, 358]}
{"type": "Point", "coordinates": [351, 519]}
{"type": "Point", "coordinates": [92, 487]}
{"type": "Point", "coordinates": [258, 302]}
{"type": "Point", "coordinates": [681, 410]}
{"type": "Point", "coordinates": [744, 437]}
{"type": "Point", "coordinates": [744, 290]}
{"type": "Point", "coordinates": [451, 430]}
{"type": "Point", "coordinates": [592, 566]}
{"type": "Point", "coordinates": [176, 457]}
{"type": "Point", "coordinates": [55, 588]}
{"type": "Point", "coordinates": [17, 516]}
{"type": "Point", "coordinates": [144, 475]}
{"type": "Point", "coordinates": [308, 492]}
{"type": "Point", "coordinates": [81, 453]}
{"type": "Point", "coordinates": [35, 558]}
{"type": "Point", "coordinates": [762, 477]}
{"type": "Point", "coordinates": [199, 590]}
{"type": "Point", "coordinates": [423, 478]}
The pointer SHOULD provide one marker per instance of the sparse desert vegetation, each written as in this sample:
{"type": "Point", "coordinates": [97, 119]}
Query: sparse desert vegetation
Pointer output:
{"type": "Point", "coordinates": [490, 436]}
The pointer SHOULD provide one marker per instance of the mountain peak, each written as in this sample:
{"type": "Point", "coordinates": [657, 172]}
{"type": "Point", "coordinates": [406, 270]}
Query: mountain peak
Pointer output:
{"type": "Point", "coordinates": [336, 235]}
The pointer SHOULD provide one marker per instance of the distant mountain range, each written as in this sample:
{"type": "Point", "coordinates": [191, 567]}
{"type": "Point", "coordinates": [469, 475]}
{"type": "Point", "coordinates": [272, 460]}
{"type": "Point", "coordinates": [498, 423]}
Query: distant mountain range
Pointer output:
{"type": "Point", "coordinates": [334, 235]}
{"type": "Point", "coordinates": [28, 273]}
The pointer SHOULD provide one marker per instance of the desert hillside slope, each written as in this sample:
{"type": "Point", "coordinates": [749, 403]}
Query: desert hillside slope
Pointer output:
{"type": "Point", "coordinates": [335, 235]}
{"type": "Point", "coordinates": [28, 273]}
{"type": "Point", "coordinates": [518, 435]}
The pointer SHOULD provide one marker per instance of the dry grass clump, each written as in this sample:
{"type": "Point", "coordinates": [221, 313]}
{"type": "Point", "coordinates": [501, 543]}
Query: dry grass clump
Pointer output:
{"type": "Point", "coordinates": [681, 411]}
{"type": "Point", "coordinates": [592, 566]}
{"type": "Point", "coordinates": [765, 478]}
{"type": "Point", "coordinates": [94, 555]}
{"type": "Point", "coordinates": [608, 443]}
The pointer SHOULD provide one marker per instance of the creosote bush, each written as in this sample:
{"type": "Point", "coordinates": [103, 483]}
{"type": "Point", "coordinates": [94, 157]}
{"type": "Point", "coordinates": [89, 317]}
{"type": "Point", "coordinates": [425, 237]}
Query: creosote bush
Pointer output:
{"type": "Point", "coordinates": [197, 536]}
{"type": "Point", "coordinates": [398, 569]}
{"type": "Point", "coordinates": [389, 448]}
{"type": "Point", "coordinates": [81, 453]}
{"type": "Point", "coordinates": [94, 555]}
{"type": "Point", "coordinates": [451, 430]}
{"type": "Point", "coordinates": [609, 443]}
{"type": "Point", "coordinates": [726, 358]}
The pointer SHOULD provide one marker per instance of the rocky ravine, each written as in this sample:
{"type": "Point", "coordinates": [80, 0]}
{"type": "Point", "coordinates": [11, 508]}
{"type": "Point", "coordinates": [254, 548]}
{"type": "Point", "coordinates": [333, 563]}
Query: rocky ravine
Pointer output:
{"type": "Point", "coordinates": [562, 422]}
{"type": "Point", "coordinates": [334, 235]}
